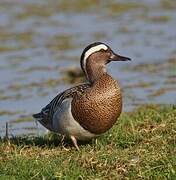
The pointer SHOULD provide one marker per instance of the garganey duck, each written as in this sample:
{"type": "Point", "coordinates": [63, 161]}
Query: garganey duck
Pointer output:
{"type": "Point", "coordinates": [87, 110]}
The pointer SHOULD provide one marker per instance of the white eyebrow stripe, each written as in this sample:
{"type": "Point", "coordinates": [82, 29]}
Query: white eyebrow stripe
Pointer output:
{"type": "Point", "coordinates": [91, 51]}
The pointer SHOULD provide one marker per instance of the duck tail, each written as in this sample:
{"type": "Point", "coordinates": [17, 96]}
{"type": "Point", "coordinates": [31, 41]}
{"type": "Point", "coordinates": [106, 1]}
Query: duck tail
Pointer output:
{"type": "Point", "coordinates": [38, 116]}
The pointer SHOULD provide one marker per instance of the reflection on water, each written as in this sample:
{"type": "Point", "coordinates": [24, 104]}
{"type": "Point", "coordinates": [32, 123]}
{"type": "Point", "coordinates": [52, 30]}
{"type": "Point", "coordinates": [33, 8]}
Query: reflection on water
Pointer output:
{"type": "Point", "coordinates": [41, 42]}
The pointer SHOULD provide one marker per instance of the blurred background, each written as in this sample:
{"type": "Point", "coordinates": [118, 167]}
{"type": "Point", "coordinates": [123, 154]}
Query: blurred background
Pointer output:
{"type": "Point", "coordinates": [41, 42]}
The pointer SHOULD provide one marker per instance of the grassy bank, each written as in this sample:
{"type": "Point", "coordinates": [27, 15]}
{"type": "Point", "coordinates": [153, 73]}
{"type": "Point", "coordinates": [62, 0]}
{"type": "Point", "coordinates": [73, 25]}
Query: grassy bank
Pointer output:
{"type": "Point", "coordinates": [140, 146]}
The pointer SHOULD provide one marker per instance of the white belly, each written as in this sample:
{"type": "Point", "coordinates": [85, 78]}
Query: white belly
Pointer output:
{"type": "Point", "coordinates": [64, 123]}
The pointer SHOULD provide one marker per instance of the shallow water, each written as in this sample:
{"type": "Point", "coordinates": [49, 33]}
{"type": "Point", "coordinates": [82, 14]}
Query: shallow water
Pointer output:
{"type": "Point", "coordinates": [40, 40]}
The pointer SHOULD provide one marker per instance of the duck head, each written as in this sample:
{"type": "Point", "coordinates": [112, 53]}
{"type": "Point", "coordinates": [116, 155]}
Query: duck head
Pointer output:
{"type": "Point", "coordinates": [95, 57]}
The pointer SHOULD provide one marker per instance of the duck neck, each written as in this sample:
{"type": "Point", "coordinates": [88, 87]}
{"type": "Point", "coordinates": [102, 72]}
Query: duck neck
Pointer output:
{"type": "Point", "coordinates": [95, 71]}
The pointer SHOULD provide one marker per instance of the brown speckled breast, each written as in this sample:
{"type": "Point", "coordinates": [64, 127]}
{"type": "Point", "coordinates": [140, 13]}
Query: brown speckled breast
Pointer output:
{"type": "Point", "coordinates": [99, 107]}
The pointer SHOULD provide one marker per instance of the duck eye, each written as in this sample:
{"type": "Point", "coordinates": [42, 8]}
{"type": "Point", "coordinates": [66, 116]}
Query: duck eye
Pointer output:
{"type": "Point", "coordinates": [102, 50]}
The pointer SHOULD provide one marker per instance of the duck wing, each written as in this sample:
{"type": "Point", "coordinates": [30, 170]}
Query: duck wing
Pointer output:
{"type": "Point", "coordinates": [46, 115]}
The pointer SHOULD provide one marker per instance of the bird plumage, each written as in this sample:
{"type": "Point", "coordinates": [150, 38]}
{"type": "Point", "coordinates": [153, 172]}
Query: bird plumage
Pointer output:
{"type": "Point", "coordinates": [87, 110]}
{"type": "Point", "coordinates": [46, 115]}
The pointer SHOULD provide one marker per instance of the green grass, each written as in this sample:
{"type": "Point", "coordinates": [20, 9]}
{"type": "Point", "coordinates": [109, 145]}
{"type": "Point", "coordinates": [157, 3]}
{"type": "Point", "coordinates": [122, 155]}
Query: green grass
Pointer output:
{"type": "Point", "coordinates": [140, 146]}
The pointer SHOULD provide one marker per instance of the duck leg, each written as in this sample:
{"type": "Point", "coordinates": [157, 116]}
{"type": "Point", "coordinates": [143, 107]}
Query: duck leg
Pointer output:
{"type": "Point", "coordinates": [74, 142]}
